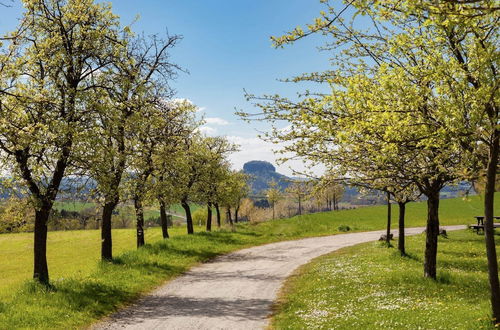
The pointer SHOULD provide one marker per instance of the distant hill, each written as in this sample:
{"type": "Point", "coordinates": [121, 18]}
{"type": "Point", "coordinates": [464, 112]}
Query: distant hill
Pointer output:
{"type": "Point", "coordinates": [261, 173]}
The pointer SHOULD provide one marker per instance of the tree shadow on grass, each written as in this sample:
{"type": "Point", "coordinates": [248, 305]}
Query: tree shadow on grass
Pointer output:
{"type": "Point", "coordinates": [173, 251]}
{"type": "Point", "coordinates": [220, 237]}
{"type": "Point", "coordinates": [463, 264]}
{"type": "Point", "coordinates": [464, 254]}
{"type": "Point", "coordinates": [97, 298]}
{"type": "Point", "coordinates": [143, 265]}
{"type": "Point", "coordinates": [463, 239]}
{"type": "Point", "coordinates": [248, 233]}
{"type": "Point", "coordinates": [409, 256]}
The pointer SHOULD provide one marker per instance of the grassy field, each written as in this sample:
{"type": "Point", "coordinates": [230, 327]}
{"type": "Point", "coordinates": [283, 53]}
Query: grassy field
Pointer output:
{"type": "Point", "coordinates": [74, 206]}
{"type": "Point", "coordinates": [85, 290]}
{"type": "Point", "coordinates": [150, 211]}
{"type": "Point", "coordinates": [371, 287]}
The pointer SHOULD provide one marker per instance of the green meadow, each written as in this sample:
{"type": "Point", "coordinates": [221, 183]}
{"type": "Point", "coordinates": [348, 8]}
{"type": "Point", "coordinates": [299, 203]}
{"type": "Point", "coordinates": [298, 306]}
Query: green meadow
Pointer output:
{"type": "Point", "coordinates": [84, 289]}
{"type": "Point", "coordinates": [371, 287]}
{"type": "Point", "coordinates": [150, 211]}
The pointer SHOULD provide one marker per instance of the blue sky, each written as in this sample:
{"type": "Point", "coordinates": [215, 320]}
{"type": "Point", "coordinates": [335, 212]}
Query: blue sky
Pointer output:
{"type": "Point", "coordinates": [226, 49]}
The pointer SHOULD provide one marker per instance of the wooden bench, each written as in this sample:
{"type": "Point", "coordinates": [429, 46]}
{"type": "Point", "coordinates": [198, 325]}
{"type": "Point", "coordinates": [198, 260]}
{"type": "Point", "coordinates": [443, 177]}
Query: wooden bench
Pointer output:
{"type": "Point", "coordinates": [480, 223]}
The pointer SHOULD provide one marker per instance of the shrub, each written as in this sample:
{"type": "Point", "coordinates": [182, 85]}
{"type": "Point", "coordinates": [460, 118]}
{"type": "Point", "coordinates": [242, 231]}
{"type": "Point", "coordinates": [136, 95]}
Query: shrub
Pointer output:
{"type": "Point", "coordinates": [200, 216]}
{"type": "Point", "coordinates": [344, 228]}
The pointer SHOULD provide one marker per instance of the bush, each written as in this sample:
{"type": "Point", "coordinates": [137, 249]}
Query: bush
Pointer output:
{"type": "Point", "coordinates": [16, 215]}
{"type": "Point", "coordinates": [200, 216]}
{"type": "Point", "coordinates": [344, 228]}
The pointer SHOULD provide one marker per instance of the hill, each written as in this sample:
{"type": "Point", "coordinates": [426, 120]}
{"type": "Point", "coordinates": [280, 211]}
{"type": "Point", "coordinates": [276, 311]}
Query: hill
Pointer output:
{"type": "Point", "coordinates": [261, 174]}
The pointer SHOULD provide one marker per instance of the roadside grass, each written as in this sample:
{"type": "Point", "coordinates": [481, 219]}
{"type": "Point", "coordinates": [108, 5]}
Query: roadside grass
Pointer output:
{"type": "Point", "coordinates": [368, 286]}
{"type": "Point", "coordinates": [84, 290]}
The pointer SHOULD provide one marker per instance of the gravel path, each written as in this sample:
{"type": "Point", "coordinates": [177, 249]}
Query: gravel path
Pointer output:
{"type": "Point", "coordinates": [234, 291]}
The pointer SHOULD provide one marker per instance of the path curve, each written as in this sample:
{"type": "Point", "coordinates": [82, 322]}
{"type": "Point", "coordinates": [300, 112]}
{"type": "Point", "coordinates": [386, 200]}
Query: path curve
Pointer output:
{"type": "Point", "coordinates": [233, 291]}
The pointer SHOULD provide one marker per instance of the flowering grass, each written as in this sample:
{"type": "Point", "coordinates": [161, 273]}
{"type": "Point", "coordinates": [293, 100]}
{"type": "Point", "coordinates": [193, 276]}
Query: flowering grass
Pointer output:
{"type": "Point", "coordinates": [369, 286]}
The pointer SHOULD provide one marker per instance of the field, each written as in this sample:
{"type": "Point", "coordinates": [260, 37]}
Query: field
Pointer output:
{"type": "Point", "coordinates": [370, 286]}
{"type": "Point", "coordinates": [153, 210]}
{"type": "Point", "coordinates": [84, 289]}
{"type": "Point", "coordinates": [149, 211]}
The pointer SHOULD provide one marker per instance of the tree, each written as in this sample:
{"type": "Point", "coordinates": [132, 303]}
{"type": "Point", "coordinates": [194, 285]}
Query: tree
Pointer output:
{"type": "Point", "coordinates": [168, 154]}
{"type": "Point", "coordinates": [215, 181]}
{"type": "Point", "coordinates": [195, 171]}
{"type": "Point", "coordinates": [142, 67]}
{"type": "Point", "coordinates": [330, 189]}
{"type": "Point", "coordinates": [156, 132]}
{"type": "Point", "coordinates": [273, 195]}
{"type": "Point", "coordinates": [299, 190]}
{"type": "Point", "coordinates": [47, 74]}
{"type": "Point", "coordinates": [461, 41]}
{"type": "Point", "coordinates": [383, 108]}
{"type": "Point", "coordinates": [233, 188]}
{"type": "Point", "coordinates": [403, 196]}
{"type": "Point", "coordinates": [240, 190]}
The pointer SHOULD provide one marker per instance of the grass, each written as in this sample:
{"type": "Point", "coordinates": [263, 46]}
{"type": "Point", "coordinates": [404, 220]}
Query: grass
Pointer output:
{"type": "Point", "coordinates": [149, 212]}
{"type": "Point", "coordinates": [370, 286]}
{"type": "Point", "coordinates": [84, 290]}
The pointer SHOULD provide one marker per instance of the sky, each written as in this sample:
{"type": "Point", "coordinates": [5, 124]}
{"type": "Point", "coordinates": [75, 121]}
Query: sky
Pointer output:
{"type": "Point", "coordinates": [226, 49]}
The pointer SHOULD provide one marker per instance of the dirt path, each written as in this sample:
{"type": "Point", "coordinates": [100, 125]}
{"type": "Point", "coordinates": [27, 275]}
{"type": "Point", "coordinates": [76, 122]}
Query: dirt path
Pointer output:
{"type": "Point", "coordinates": [234, 291]}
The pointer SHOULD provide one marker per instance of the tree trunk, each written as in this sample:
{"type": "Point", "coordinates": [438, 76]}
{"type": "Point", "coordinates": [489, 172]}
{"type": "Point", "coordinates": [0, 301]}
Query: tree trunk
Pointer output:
{"type": "Point", "coordinates": [217, 212]}
{"type": "Point", "coordinates": [189, 219]}
{"type": "Point", "coordinates": [163, 218]}
{"type": "Point", "coordinates": [41, 270]}
{"type": "Point", "coordinates": [489, 235]}
{"type": "Point", "coordinates": [273, 211]}
{"type": "Point", "coordinates": [432, 232]}
{"type": "Point", "coordinates": [209, 216]}
{"type": "Point", "coordinates": [401, 239]}
{"type": "Point", "coordinates": [389, 215]}
{"type": "Point", "coordinates": [228, 216]}
{"type": "Point", "coordinates": [236, 211]}
{"type": "Point", "coordinates": [300, 206]}
{"type": "Point", "coordinates": [139, 214]}
{"type": "Point", "coordinates": [106, 241]}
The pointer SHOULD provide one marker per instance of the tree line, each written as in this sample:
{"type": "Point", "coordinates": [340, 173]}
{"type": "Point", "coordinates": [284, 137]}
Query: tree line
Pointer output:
{"type": "Point", "coordinates": [412, 105]}
{"type": "Point", "coordinates": [83, 96]}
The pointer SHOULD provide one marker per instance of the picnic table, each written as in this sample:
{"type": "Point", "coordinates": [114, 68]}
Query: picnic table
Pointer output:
{"type": "Point", "coordinates": [480, 223]}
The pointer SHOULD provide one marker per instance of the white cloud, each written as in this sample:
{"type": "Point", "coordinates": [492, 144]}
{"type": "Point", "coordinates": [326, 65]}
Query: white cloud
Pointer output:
{"type": "Point", "coordinates": [207, 130]}
{"type": "Point", "coordinates": [181, 100]}
{"type": "Point", "coordinates": [216, 121]}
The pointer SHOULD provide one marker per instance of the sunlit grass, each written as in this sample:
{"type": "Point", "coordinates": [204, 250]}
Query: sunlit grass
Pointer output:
{"type": "Point", "coordinates": [85, 290]}
{"type": "Point", "coordinates": [371, 287]}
